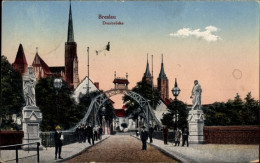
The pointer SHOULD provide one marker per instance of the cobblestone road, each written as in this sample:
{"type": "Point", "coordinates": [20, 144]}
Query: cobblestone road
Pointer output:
{"type": "Point", "coordinates": [121, 148]}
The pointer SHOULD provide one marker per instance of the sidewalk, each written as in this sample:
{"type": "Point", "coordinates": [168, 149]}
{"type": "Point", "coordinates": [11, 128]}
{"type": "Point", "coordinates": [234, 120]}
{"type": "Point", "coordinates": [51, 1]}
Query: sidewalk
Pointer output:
{"type": "Point", "coordinates": [213, 153]}
{"type": "Point", "coordinates": [47, 154]}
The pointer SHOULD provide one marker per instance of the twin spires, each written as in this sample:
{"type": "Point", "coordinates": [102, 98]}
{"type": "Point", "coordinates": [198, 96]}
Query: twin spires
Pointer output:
{"type": "Point", "coordinates": [70, 27]}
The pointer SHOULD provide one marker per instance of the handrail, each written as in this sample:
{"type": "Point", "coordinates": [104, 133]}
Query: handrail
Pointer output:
{"type": "Point", "coordinates": [17, 145]}
{"type": "Point", "coordinates": [16, 149]}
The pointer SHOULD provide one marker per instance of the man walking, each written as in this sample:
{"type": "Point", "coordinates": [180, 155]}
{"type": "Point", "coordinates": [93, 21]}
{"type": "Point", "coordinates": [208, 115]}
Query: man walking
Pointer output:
{"type": "Point", "coordinates": [144, 137]}
{"type": "Point", "coordinates": [165, 135]}
{"type": "Point", "coordinates": [151, 133]}
{"type": "Point", "coordinates": [58, 137]}
{"type": "Point", "coordinates": [185, 136]}
{"type": "Point", "coordinates": [90, 133]}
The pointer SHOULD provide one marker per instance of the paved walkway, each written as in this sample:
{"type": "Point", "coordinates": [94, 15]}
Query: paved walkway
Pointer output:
{"type": "Point", "coordinates": [122, 148]}
{"type": "Point", "coordinates": [213, 153]}
{"type": "Point", "coordinates": [47, 154]}
{"type": "Point", "coordinates": [203, 153]}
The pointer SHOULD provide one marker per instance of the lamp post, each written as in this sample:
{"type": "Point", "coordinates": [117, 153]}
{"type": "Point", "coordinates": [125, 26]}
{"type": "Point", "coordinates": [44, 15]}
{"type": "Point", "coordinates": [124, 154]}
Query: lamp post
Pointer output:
{"type": "Point", "coordinates": [57, 84]}
{"type": "Point", "coordinates": [176, 118]}
{"type": "Point", "coordinates": [176, 91]}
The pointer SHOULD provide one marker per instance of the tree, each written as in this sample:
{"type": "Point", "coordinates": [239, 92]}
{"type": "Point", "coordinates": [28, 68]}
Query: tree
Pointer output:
{"type": "Point", "coordinates": [145, 90]}
{"type": "Point", "coordinates": [233, 112]}
{"type": "Point", "coordinates": [177, 115]}
{"type": "Point", "coordinates": [57, 109]}
{"type": "Point", "coordinates": [12, 94]}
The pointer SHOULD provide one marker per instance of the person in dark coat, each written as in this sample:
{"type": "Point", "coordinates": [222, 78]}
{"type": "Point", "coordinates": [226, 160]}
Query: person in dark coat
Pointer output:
{"type": "Point", "coordinates": [77, 132]}
{"type": "Point", "coordinates": [185, 136]}
{"type": "Point", "coordinates": [100, 131]}
{"type": "Point", "coordinates": [95, 133]}
{"type": "Point", "coordinates": [144, 137]}
{"type": "Point", "coordinates": [165, 134]}
{"type": "Point", "coordinates": [90, 134]}
{"type": "Point", "coordinates": [58, 137]}
{"type": "Point", "coordinates": [151, 133]}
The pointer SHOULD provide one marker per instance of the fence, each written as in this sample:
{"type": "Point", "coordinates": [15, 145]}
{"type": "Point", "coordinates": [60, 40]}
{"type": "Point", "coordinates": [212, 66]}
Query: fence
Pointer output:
{"type": "Point", "coordinates": [232, 134]}
{"type": "Point", "coordinates": [48, 138]}
{"type": "Point", "coordinates": [16, 146]}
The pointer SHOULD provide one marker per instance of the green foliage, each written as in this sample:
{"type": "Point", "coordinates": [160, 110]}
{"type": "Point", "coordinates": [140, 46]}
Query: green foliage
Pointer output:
{"type": "Point", "coordinates": [57, 109]}
{"type": "Point", "coordinates": [233, 112]}
{"type": "Point", "coordinates": [170, 119]}
{"type": "Point", "coordinates": [147, 92]}
{"type": "Point", "coordinates": [12, 93]}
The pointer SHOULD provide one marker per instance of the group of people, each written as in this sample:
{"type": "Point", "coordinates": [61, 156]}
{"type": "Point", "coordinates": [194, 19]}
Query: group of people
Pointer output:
{"type": "Point", "coordinates": [84, 132]}
{"type": "Point", "coordinates": [178, 134]}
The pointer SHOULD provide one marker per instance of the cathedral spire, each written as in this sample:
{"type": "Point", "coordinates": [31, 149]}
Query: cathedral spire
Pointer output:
{"type": "Point", "coordinates": [162, 73]}
{"type": "Point", "coordinates": [70, 27]}
{"type": "Point", "coordinates": [147, 71]}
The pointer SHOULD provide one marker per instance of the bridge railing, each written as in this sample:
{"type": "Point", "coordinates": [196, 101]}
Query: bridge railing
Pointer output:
{"type": "Point", "coordinates": [48, 138]}
{"type": "Point", "coordinates": [17, 146]}
{"type": "Point", "coordinates": [159, 135]}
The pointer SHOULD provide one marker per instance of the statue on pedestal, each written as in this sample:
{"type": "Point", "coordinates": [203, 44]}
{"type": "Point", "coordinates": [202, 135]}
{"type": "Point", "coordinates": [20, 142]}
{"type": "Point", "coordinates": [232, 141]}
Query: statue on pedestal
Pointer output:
{"type": "Point", "coordinates": [29, 88]}
{"type": "Point", "coordinates": [196, 116]}
{"type": "Point", "coordinates": [196, 96]}
{"type": "Point", "coordinates": [32, 115]}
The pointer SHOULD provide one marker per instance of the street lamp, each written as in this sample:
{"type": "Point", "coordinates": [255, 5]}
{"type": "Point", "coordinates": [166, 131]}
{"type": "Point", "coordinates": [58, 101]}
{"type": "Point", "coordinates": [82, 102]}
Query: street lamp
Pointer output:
{"type": "Point", "coordinates": [176, 90]}
{"type": "Point", "coordinates": [176, 118]}
{"type": "Point", "coordinates": [57, 84]}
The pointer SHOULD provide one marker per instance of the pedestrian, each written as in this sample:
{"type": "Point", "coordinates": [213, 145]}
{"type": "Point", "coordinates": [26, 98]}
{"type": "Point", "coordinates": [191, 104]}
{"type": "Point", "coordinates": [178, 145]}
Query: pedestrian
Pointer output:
{"type": "Point", "coordinates": [165, 134]}
{"type": "Point", "coordinates": [95, 133]}
{"type": "Point", "coordinates": [151, 133]}
{"type": "Point", "coordinates": [100, 132]}
{"type": "Point", "coordinates": [84, 133]}
{"type": "Point", "coordinates": [185, 136]}
{"type": "Point", "coordinates": [90, 134]}
{"type": "Point", "coordinates": [177, 137]}
{"type": "Point", "coordinates": [58, 137]}
{"type": "Point", "coordinates": [77, 133]}
{"type": "Point", "coordinates": [144, 137]}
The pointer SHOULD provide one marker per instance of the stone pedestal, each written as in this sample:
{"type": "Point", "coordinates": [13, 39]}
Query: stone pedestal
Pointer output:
{"type": "Point", "coordinates": [196, 124]}
{"type": "Point", "coordinates": [32, 117]}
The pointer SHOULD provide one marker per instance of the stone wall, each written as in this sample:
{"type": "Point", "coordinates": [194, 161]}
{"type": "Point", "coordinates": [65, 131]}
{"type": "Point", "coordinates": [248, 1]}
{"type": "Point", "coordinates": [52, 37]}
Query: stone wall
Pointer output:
{"type": "Point", "coordinates": [231, 134]}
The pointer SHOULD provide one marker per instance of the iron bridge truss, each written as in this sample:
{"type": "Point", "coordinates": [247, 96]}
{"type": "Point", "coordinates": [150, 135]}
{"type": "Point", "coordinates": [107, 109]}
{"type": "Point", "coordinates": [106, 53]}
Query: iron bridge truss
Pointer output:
{"type": "Point", "coordinates": [99, 101]}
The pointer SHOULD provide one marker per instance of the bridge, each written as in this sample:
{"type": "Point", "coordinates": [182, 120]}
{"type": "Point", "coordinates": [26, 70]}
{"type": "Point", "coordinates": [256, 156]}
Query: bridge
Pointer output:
{"type": "Point", "coordinates": [98, 102]}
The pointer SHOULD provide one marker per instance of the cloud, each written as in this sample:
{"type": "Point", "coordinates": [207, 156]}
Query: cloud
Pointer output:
{"type": "Point", "coordinates": [207, 34]}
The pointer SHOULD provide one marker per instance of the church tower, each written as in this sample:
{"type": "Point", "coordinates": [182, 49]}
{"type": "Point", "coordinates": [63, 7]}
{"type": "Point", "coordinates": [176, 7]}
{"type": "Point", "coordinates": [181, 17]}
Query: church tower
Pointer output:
{"type": "Point", "coordinates": [71, 58]}
{"type": "Point", "coordinates": [147, 78]}
{"type": "Point", "coordinates": [162, 83]}
{"type": "Point", "coordinates": [20, 63]}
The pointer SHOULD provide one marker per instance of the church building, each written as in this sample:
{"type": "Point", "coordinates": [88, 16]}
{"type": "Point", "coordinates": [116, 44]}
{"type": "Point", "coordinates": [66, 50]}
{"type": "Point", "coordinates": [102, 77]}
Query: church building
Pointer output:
{"type": "Point", "coordinates": [69, 72]}
{"type": "Point", "coordinates": [162, 81]}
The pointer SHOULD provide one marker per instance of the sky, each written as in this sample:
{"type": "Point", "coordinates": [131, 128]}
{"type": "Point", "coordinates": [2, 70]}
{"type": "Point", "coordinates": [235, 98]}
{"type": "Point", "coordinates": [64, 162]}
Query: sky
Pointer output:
{"type": "Point", "coordinates": [216, 43]}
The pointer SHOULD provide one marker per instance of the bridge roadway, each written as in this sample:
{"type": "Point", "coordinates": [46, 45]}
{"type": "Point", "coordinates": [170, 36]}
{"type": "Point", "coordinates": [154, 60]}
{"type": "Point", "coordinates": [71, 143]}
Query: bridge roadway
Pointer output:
{"type": "Point", "coordinates": [121, 148]}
